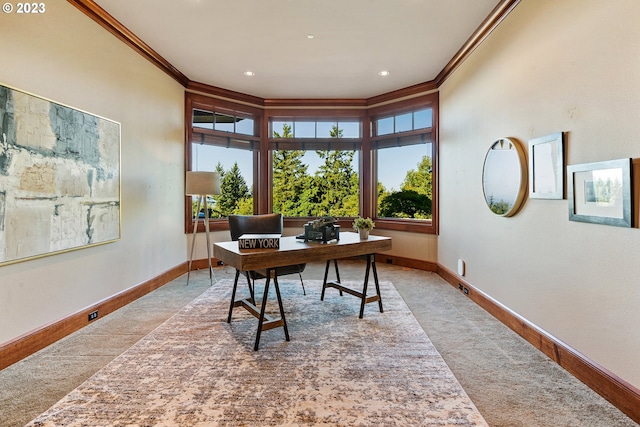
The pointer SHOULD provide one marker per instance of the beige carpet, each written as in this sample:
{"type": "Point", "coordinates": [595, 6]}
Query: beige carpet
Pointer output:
{"type": "Point", "coordinates": [198, 370]}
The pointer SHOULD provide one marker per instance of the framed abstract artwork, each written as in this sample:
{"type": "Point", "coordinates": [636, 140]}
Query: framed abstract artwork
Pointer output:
{"type": "Point", "coordinates": [546, 167]}
{"type": "Point", "coordinates": [59, 177]}
{"type": "Point", "coordinates": [601, 192]}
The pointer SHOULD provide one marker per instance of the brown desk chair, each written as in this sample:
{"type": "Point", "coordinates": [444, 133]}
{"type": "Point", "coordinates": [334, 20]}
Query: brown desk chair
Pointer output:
{"type": "Point", "coordinates": [261, 224]}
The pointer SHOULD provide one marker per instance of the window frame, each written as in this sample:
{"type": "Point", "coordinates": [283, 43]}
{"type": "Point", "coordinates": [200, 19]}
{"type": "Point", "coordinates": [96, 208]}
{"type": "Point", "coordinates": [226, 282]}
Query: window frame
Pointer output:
{"type": "Point", "coordinates": [219, 138]}
{"type": "Point", "coordinates": [392, 110]}
{"type": "Point", "coordinates": [318, 110]}
{"type": "Point", "coordinates": [317, 115]}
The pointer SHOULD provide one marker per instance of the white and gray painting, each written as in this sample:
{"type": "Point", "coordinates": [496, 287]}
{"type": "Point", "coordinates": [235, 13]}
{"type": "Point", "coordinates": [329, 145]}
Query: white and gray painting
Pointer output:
{"type": "Point", "coordinates": [59, 177]}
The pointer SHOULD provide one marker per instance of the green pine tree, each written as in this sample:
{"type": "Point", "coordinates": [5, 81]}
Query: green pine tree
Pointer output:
{"type": "Point", "coordinates": [290, 179]}
{"type": "Point", "coordinates": [233, 189]}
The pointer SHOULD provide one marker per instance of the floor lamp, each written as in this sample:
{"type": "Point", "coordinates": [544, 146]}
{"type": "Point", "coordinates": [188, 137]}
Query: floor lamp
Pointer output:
{"type": "Point", "coordinates": [202, 184]}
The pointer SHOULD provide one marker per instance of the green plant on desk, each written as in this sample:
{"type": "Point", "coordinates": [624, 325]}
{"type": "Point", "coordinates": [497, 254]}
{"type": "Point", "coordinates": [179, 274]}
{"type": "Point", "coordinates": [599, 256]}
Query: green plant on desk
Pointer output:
{"type": "Point", "coordinates": [363, 226]}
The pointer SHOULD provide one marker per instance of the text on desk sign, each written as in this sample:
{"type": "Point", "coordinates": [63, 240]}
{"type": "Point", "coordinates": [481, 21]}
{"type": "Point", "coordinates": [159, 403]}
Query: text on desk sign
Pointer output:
{"type": "Point", "coordinates": [259, 241]}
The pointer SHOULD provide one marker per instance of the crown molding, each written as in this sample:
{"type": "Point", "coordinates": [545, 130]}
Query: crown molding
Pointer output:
{"type": "Point", "coordinates": [104, 19]}
{"type": "Point", "coordinates": [496, 16]}
{"type": "Point", "coordinates": [115, 27]}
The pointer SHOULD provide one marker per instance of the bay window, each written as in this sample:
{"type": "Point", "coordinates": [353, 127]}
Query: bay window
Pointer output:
{"type": "Point", "coordinates": [375, 161]}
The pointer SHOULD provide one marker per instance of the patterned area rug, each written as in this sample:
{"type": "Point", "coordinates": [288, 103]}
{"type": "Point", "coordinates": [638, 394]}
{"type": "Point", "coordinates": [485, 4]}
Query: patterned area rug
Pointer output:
{"type": "Point", "coordinates": [197, 370]}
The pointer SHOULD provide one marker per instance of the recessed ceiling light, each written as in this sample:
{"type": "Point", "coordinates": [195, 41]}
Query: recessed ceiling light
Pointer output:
{"type": "Point", "coordinates": [310, 36]}
{"type": "Point", "coordinates": [249, 73]}
{"type": "Point", "coordinates": [384, 73]}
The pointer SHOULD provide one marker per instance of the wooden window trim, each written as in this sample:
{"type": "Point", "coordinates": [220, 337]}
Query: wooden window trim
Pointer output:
{"type": "Point", "coordinates": [262, 160]}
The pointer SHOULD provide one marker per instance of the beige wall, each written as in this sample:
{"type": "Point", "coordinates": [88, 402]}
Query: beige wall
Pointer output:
{"type": "Point", "coordinates": [66, 57]}
{"type": "Point", "coordinates": [570, 65]}
{"type": "Point", "coordinates": [423, 247]}
{"type": "Point", "coordinates": [573, 66]}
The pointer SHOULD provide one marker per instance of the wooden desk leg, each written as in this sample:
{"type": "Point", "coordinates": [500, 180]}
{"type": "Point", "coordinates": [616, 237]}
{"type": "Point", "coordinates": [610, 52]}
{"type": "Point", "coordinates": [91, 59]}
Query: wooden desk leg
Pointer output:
{"type": "Point", "coordinates": [233, 293]}
{"type": "Point", "coordinates": [335, 264]}
{"type": "Point", "coordinates": [233, 296]}
{"type": "Point", "coordinates": [371, 264]}
{"type": "Point", "coordinates": [375, 280]}
{"type": "Point", "coordinates": [284, 321]}
{"type": "Point", "coordinates": [251, 292]}
{"type": "Point", "coordinates": [364, 287]}
{"type": "Point", "coordinates": [262, 311]}
{"type": "Point", "coordinates": [326, 276]}
{"type": "Point", "coordinates": [264, 307]}
{"type": "Point", "coordinates": [324, 282]}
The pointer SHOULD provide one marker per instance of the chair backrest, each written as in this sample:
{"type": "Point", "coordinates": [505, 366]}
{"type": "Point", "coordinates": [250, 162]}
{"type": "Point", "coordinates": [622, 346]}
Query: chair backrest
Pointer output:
{"type": "Point", "coordinates": [255, 224]}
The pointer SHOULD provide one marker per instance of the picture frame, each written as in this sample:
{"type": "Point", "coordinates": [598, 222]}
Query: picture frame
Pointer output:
{"type": "Point", "coordinates": [546, 167]}
{"type": "Point", "coordinates": [601, 192]}
{"type": "Point", "coordinates": [59, 177]}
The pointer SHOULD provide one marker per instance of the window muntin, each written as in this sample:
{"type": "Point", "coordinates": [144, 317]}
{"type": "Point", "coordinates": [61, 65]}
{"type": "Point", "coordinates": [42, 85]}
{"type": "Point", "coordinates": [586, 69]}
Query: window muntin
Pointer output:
{"type": "Point", "coordinates": [224, 140]}
{"type": "Point", "coordinates": [404, 122]}
{"type": "Point", "coordinates": [223, 122]}
{"type": "Point", "coordinates": [310, 128]}
{"type": "Point", "coordinates": [315, 178]}
{"type": "Point", "coordinates": [403, 143]}
{"type": "Point", "coordinates": [367, 147]}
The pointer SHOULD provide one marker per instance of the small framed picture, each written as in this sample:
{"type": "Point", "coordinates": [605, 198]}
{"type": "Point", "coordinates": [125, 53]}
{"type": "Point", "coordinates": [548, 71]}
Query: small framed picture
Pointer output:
{"type": "Point", "coordinates": [601, 192]}
{"type": "Point", "coordinates": [546, 167]}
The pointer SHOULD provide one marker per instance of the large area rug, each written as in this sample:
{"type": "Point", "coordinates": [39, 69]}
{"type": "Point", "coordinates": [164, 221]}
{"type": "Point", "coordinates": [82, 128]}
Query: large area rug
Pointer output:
{"type": "Point", "coordinates": [197, 370]}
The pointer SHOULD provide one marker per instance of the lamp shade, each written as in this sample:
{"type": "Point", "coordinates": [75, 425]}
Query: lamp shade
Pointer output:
{"type": "Point", "coordinates": [202, 183]}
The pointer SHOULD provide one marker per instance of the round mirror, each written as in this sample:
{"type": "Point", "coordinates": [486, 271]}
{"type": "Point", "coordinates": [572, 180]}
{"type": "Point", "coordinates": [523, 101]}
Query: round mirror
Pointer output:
{"type": "Point", "coordinates": [504, 177]}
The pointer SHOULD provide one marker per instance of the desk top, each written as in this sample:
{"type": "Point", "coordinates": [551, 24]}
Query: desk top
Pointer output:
{"type": "Point", "coordinates": [295, 251]}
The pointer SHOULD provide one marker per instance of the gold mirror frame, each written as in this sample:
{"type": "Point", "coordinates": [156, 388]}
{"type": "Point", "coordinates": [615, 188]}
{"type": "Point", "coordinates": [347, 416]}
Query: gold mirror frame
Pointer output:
{"type": "Point", "coordinates": [504, 177]}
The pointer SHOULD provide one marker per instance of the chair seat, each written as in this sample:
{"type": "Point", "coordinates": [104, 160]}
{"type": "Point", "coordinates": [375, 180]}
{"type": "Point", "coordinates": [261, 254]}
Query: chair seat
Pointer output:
{"type": "Point", "coordinates": [262, 224]}
{"type": "Point", "coordinates": [280, 271]}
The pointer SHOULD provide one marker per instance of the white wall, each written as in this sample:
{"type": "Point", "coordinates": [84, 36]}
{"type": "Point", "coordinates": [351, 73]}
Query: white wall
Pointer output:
{"type": "Point", "coordinates": [573, 66]}
{"type": "Point", "coordinates": [66, 57]}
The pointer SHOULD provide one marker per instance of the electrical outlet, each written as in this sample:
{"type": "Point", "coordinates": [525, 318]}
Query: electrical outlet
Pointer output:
{"type": "Point", "coordinates": [93, 315]}
{"type": "Point", "coordinates": [466, 291]}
